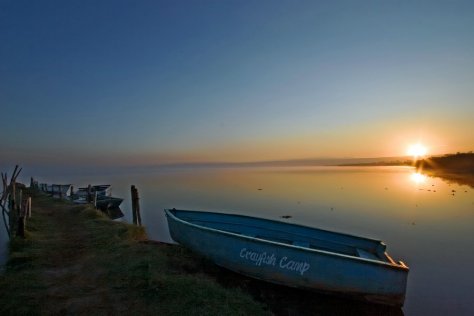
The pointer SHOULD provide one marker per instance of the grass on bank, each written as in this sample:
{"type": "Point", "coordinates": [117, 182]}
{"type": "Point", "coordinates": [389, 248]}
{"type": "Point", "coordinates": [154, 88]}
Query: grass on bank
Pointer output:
{"type": "Point", "coordinates": [76, 261]}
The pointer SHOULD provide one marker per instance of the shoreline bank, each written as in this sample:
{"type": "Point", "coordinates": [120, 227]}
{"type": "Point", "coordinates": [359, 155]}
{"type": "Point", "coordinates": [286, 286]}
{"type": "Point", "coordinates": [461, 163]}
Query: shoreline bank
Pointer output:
{"type": "Point", "coordinates": [75, 260]}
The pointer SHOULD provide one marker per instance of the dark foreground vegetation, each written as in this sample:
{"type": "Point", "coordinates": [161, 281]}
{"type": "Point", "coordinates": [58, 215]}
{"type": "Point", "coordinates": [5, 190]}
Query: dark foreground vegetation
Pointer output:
{"type": "Point", "coordinates": [75, 261]}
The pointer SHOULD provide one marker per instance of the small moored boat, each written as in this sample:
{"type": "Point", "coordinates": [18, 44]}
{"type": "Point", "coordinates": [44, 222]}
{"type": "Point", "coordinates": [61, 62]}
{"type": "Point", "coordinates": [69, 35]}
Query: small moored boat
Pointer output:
{"type": "Point", "coordinates": [101, 190]}
{"type": "Point", "coordinates": [108, 202]}
{"type": "Point", "coordinates": [293, 255]}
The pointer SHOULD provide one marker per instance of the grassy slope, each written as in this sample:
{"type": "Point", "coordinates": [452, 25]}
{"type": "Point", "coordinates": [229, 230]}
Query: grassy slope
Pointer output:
{"type": "Point", "coordinates": [75, 261]}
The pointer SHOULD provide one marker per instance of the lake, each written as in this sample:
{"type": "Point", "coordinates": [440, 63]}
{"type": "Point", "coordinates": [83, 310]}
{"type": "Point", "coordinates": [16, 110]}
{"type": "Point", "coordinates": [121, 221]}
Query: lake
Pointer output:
{"type": "Point", "coordinates": [427, 222]}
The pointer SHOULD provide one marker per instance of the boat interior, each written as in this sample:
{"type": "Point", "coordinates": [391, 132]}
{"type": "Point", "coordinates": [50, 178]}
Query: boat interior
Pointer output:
{"type": "Point", "coordinates": [290, 234]}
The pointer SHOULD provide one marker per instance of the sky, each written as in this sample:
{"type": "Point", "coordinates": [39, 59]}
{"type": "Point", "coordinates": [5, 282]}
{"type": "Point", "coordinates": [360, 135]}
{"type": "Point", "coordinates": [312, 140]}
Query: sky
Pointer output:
{"type": "Point", "coordinates": [152, 82]}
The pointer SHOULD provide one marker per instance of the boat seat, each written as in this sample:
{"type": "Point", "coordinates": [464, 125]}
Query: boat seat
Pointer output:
{"type": "Point", "coordinates": [300, 243]}
{"type": "Point", "coordinates": [366, 255]}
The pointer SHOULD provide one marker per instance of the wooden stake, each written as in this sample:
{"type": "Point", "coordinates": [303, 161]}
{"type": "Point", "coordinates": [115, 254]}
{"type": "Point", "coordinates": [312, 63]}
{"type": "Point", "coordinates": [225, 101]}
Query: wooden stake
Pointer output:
{"type": "Point", "coordinates": [28, 208]}
{"type": "Point", "coordinates": [21, 227]}
{"type": "Point", "coordinates": [13, 196]}
{"type": "Point", "coordinates": [137, 219]}
{"type": "Point", "coordinates": [89, 194]}
{"type": "Point", "coordinates": [134, 208]}
{"type": "Point", "coordinates": [13, 211]}
{"type": "Point", "coordinates": [95, 199]}
{"type": "Point", "coordinates": [20, 201]}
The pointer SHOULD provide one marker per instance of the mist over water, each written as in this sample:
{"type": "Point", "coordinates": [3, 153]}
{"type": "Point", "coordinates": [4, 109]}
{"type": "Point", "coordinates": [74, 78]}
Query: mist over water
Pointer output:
{"type": "Point", "coordinates": [426, 222]}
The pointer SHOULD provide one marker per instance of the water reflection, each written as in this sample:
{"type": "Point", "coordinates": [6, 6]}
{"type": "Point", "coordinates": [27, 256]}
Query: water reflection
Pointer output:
{"type": "Point", "coordinates": [455, 178]}
{"type": "Point", "coordinates": [418, 178]}
{"type": "Point", "coordinates": [423, 222]}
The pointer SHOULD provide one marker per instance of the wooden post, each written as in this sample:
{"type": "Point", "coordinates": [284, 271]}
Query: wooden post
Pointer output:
{"type": "Point", "coordinates": [20, 201]}
{"type": "Point", "coordinates": [95, 199]}
{"type": "Point", "coordinates": [134, 208]}
{"type": "Point", "coordinates": [21, 227]}
{"type": "Point", "coordinates": [137, 219]}
{"type": "Point", "coordinates": [28, 207]}
{"type": "Point", "coordinates": [13, 197]}
{"type": "Point", "coordinates": [13, 211]}
{"type": "Point", "coordinates": [89, 194]}
{"type": "Point", "coordinates": [71, 195]}
{"type": "Point", "coordinates": [22, 217]}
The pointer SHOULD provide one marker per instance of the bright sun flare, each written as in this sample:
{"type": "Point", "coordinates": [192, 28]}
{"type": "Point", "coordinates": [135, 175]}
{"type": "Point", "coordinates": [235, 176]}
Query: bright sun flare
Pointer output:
{"type": "Point", "coordinates": [417, 150]}
{"type": "Point", "coordinates": [418, 178]}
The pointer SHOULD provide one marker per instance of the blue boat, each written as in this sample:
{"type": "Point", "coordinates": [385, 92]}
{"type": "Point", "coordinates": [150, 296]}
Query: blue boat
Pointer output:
{"type": "Point", "coordinates": [293, 255]}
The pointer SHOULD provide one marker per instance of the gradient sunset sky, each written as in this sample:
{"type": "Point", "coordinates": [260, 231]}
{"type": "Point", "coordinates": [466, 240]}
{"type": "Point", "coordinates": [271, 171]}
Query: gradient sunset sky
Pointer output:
{"type": "Point", "coordinates": [150, 82]}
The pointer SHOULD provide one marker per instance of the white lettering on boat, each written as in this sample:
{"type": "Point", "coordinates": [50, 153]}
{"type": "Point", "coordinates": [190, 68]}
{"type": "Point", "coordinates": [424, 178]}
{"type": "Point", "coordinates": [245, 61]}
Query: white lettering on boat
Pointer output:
{"type": "Point", "coordinates": [258, 258]}
{"type": "Point", "coordinates": [264, 258]}
{"type": "Point", "coordinates": [292, 265]}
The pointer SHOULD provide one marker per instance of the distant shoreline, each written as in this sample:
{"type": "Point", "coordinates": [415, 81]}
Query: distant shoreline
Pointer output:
{"type": "Point", "coordinates": [457, 168]}
{"type": "Point", "coordinates": [380, 164]}
{"type": "Point", "coordinates": [450, 163]}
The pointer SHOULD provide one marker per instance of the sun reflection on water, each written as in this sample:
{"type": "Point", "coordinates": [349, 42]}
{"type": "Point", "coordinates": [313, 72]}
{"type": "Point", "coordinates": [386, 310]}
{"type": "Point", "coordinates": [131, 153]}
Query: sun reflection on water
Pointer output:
{"type": "Point", "coordinates": [418, 178]}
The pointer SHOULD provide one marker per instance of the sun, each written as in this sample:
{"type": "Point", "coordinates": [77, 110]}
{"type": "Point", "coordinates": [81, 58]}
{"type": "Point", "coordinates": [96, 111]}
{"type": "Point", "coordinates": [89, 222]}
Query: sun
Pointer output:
{"type": "Point", "coordinates": [417, 150]}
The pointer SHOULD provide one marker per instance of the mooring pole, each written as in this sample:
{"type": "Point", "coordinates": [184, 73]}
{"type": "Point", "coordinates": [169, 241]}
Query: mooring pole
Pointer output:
{"type": "Point", "coordinates": [28, 208]}
{"type": "Point", "coordinates": [20, 200]}
{"type": "Point", "coordinates": [13, 209]}
{"type": "Point", "coordinates": [137, 220]}
{"type": "Point", "coordinates": [22, 218]}
{"type": "Point", "coordinates": [89, 196]}
{"type": "Point", "coordinates": [139, 217]}
{"type": "Point", "coordinates": [21, 227]}
{"type": "Point", "coordinates": [134, 207]}
{"type": "Point", "coordinates": [95, 199]}
{"type": "Point", "coordinates": [13, 196]}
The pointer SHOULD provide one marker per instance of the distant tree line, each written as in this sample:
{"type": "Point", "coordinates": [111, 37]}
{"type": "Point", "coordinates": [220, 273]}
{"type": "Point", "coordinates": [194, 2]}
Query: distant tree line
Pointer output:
{"type": "Point", "coordinates": [460, 162]}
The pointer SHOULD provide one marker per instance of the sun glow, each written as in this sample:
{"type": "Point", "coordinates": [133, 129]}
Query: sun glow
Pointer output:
{"type": "Point", "coordinates": [417, 150]}
{"type": "Point", "coordinates": [417, 177]}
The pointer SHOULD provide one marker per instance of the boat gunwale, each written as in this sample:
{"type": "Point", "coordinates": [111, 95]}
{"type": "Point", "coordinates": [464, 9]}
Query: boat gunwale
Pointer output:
{"type": "Point", "coordinates": [291, 246]}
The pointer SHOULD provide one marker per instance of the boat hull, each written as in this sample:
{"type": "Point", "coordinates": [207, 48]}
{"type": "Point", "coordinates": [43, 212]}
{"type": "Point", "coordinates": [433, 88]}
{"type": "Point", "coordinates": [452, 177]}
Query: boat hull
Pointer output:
{"type": "Point", "coordinates": [108, 202]}
{"type": "Point", "coordinates": [293, 266]}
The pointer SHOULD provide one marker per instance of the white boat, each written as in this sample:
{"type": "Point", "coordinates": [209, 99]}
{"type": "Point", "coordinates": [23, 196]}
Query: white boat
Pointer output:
{"type": "Point", "coordinates": [293, 255]}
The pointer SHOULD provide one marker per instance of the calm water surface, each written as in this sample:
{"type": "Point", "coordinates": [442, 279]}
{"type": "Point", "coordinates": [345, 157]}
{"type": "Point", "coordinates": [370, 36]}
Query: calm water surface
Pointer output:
{"type": "Point", "coordinates": [426, 222]}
